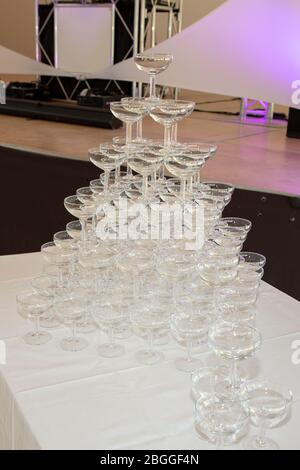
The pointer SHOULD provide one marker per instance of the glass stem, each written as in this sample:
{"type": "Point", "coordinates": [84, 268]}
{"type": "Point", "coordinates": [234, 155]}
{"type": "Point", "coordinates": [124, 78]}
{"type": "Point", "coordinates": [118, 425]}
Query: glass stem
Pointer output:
{"type": "Point", "coordinates": [106, 180]}
{"type": "Point", "coordinates": [219, 442]}
{"type": "Point", "coordinates": [175, 132]}
{"type": "Point", "coordinates": [262, 434]}
{"type": "Point", "coordinates": [234, 374]}
{"type": "Point", "coordinates": [73, 331]}
{"type": "Point", "coordinates": [174, 292]}
{"type": "Point", "coordinates": [136, 288]}
{"type": "Point", "coordinates": [83, 230]}
{"type": "Point", "coordinates": [189, 351]}
{"type": "Point", "coordinates": [162, 172]}
{"type": "Point", "coordinates": [117, 174]}
{"type": "Point", "coordinates": [167, 136]}
{"type": "Point", "coordinates": [94, 223]}
{"type": "Point", "coordinates": [37, 324]}
{"type": "Point", "coordinates": [60, 277]}
{"type": "Point", "coordinates": [183, 189]}
{"type": "Point", "coordinates": [152, 87]}
{"type": "Point", "coordinates": [150, 342]}
{"type": "Point", "coordinates": [128, 133]}
{"type": "Point", "coordinates": [111, 336]}
{"type": "Point", "coordinates": [215, 301]}
{"type": "Point", "coordinates": [139, 130]}
{"type": "Point", "coordinates": [145, 185]}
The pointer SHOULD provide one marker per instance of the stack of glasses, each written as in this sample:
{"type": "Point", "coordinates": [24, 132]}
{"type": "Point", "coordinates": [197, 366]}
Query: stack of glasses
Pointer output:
{"type": "Point", "coordinates": [142, 271]}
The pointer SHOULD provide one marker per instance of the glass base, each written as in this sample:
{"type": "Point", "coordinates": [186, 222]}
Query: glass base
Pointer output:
{"type": "Point", "coordinates": [110, 350]}
{"type": "Point", "coordinates": [161, 340]}
{"type": "Point", "coordinates": [35, 339]}
{"type": "Point", "coordinates": [74, 344]}
{"type": "Point", "coordinates": [86, 326]}
{"type": "Point", "coordinates": [142, 140]}
{"type": "Point", "coordinates": [149, 357]}
{"type": "Point", "coordinates": [255, 443]}
{"type": "Point", "coordinates": [123, 333]}
{"type": "Point", "coordinates": [226, 390]}
{"type": "Point", "coordinates": [185, 365]}
{"type": "Point", "coordinates": [50, 321]}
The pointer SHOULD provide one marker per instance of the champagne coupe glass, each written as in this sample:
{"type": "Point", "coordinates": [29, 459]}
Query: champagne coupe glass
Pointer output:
{"type": "Point", "coordinates": [168, 113]}
{"type": "Point", "coordinates": [82, 211]}
{"type": "Point", "coordinates": [109, 313]}
{"type": "Point", "coordinates": [106, 162]}
{"type": "Point", "coordinates": [249, 277]}
{"type": "Point", "coordinates": [87, 196]}
{"type": "Point", "coordinates": [184, 166]}
{"type": "Point", "coordinates": [47, 286]}
{"type": "Point", "coordinates": [153, 64]}
{"type": "Point", "coordinates": [225, 189]}
{"type": "Point", "coordinates": [32, 306]}
{"type": "Point", "coordinates": [150, 321]}
{"type": "Point", "coordinates": [234, 342]}
{"type": "Point", "coordinates": [220, 420]}
{"type": "Point", "coordinates": [221, 196]}
{"type": "Point", "coordinates": [136, 262]}
{"type": "Point", "coordinates": [176, 266]}
{"type": "Point", "coordinates": [234, 227]}
{"type": "Point", "coordinates": [236, 302]}
{"type": "Point", "coordinates": [204, 147]}
{"type": "Point", "coordinates": [61, 258]}
{"type": "Point", "coordinates": [212, 212]}
{"type": "Point", "coordinates": [97, 186]}
{"type": "Point", "coordinates": [269, 405]}
{"type": "Point", "coordinates": [74, 229]}
{"type": "Point", "coordinates": [218, 267]}
{"type": "Point", "coordinates": [196, 151]}
{"type": "Point", "coordinates": [145, 163]}
{"type": "Point", "coordinates": [71, 308]}
{"type": "Point", "coordinates": [96, 260]}
{"type": "Point", "coordinates": [204, 381]}
{"type": "Point", "coordinates": [116, 153]}
{"type": "Point", "coordinates": [253, 261]}
{"type": "Point", "coordinates": [189, 328]}
{"type": "Point", "coordinates": [63, 240]}
{"type": "Point", "coordinates": [135, 103]}
{"type": "Point", "coordinates": [129, 114]}
{"type": "Point", "coordinates": [226, 243]}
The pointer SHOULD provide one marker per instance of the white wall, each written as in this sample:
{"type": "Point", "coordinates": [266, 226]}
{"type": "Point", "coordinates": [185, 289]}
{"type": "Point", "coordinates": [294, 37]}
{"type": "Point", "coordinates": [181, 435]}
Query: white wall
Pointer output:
{"type": "Point", "coordinates": [17, 22]}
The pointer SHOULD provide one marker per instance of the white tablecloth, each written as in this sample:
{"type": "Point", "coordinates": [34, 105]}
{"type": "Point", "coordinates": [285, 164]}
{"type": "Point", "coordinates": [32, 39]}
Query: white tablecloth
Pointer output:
{"type": "Point", "coordinates": [51, 399]}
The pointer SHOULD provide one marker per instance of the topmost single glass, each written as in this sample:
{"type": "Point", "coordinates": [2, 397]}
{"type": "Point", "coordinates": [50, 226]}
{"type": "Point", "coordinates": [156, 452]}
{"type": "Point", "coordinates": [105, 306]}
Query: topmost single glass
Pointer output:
{"type": "Point", "coordinates": [153, 63]}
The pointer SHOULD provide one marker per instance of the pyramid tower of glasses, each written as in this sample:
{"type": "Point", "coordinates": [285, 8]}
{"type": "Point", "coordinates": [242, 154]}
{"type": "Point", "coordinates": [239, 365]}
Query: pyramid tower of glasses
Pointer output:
{"type": "Point", "coordinates": [150, 258]}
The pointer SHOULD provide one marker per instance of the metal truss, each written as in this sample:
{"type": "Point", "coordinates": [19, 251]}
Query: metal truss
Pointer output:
{"type": "Point", "coordinates": [144, 32]}
{"type": "Point", "coordinates": [149, 11]}
{"type": "Point", "coordinates": [116, 12]}
{"type": "Point", "coordinates": [266, 109]}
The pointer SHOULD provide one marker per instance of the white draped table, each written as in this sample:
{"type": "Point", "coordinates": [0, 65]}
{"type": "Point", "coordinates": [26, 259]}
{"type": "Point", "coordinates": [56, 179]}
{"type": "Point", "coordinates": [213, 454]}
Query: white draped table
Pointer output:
{"type": "Point", "coordinates": [52, 399]}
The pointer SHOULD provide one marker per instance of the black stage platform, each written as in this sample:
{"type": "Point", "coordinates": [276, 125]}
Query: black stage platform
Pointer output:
{"type": "Point", "coordinates": [61, 111]}
{"type": "Point", "coordinates": [34, 186]}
